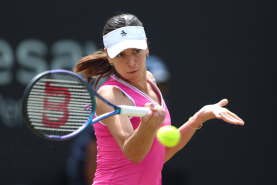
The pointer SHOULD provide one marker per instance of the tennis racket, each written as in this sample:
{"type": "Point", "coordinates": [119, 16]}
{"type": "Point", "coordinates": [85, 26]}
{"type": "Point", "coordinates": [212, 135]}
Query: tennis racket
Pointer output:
{"type": "Point", "coordinates": [59, 104]}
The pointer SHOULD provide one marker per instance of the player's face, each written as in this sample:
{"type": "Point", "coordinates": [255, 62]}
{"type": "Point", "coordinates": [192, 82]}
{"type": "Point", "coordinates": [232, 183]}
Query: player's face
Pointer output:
{"type": "Point", "coordinates": [131, 64]}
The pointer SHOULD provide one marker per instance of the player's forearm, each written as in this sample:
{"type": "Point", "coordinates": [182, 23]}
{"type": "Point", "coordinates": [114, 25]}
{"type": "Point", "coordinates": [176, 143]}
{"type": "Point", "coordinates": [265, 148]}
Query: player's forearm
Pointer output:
{"type": "Point", "coordinates": [137, 146]}
{"type": "Point", "coordinates": [187, 130]}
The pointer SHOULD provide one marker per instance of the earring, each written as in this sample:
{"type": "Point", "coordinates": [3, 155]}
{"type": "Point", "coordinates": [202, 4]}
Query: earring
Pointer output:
{"type": "Point", "coordinates": [147, 55]}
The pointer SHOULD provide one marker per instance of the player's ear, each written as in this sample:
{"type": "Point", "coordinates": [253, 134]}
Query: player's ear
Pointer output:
{"type": "Point", "coordinates": [147, 49]}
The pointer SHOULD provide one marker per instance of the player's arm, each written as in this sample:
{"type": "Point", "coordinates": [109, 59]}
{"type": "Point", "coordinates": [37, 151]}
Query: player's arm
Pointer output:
{"type": "Point", "coordinates": [135, 144]}
{"type": "Point", "coordinates": [206, 113]}
{"type": "Point", "coordinates": [186, 131]}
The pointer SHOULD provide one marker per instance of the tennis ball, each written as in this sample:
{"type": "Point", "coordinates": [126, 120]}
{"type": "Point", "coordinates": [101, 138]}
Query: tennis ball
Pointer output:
{"type": "Point", "coordinates": [168, 135]}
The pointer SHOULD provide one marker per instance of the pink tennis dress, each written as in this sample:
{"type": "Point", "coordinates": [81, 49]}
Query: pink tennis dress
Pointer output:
{"type": "Point", "coordinates": [113, 168]}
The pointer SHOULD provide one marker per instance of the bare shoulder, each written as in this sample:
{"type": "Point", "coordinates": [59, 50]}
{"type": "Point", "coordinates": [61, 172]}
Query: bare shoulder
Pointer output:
{"type": "Point", "coordinates": [110, 93]}
{"type": "Point", "coordinates": [151, 76]}
{"type": "Point", "coordinates": [113, 95]}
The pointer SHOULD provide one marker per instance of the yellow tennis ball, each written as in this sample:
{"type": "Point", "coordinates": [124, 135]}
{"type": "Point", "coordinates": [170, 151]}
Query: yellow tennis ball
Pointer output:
{"type": "Point", "coordinates": [168, 135]}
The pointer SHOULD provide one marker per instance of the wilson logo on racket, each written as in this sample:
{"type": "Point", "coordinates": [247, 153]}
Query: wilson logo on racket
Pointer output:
{"type": "Point", "coordinates": [59, 104]}
{"type": "Point", "coordinates": [56, 106]}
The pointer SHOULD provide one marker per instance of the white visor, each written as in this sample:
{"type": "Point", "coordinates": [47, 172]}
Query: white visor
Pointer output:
{"type": "Point", "coordinates": [124, 38]}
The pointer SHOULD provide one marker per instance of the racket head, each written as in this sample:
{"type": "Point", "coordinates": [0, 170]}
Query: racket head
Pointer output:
{"type": "Point", "coordinates": [58, 104]}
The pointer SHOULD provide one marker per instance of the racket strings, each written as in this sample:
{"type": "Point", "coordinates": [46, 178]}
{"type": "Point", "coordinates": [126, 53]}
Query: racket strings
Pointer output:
{"type": "Point", "coordinates": [59, 105]}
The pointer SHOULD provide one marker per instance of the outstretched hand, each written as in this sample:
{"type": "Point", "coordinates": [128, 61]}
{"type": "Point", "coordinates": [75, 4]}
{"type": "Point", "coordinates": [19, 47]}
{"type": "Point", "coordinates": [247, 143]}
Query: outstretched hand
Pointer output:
{"type": "Point", "coordinates": [220, 112]}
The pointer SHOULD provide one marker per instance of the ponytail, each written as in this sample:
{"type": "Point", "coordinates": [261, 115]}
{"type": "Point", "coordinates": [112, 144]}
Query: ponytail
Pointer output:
{"type": "Point", "coordinates": [95, 65]}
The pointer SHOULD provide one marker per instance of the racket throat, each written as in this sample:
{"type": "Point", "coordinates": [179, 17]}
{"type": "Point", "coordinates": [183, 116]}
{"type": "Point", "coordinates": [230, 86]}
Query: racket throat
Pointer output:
{"type": "Point", "coordinates": [103, 116]}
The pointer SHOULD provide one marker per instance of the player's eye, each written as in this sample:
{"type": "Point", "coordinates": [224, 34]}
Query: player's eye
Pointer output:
{"type": "Point", "coordinates": [121, 54]}
{"type": "Point", "coordinates": [136, 51]}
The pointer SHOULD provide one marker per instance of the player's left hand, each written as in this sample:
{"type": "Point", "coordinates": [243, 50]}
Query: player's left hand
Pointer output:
{"type": "Point", "coordinates": [220, 112]}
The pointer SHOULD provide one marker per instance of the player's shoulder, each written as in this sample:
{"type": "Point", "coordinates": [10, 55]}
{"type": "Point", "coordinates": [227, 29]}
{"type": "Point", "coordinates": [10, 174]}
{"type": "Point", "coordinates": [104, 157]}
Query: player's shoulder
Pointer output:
{"type": "Point", "coordinates": [107, 91]}
{"type": "Point", "coordinates": [151, 76]}
{"type": "Point", "coordinates": [111, 93]}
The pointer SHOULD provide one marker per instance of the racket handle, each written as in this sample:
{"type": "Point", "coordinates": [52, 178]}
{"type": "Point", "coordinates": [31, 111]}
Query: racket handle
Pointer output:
{"type": "Point", "coordinates": [133, 111]}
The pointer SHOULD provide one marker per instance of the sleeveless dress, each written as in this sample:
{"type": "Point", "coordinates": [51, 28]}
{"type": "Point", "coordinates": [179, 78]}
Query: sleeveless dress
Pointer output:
{"type": "Point", "coordinates": [113, 168]}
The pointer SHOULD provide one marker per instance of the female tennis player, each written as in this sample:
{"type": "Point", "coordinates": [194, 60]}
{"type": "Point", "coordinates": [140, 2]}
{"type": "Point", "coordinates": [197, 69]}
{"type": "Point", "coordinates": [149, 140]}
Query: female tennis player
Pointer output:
{"type": "Point", "coordinates": [128, 151]}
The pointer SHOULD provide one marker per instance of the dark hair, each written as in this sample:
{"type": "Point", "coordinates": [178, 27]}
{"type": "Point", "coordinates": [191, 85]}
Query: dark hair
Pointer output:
{"type": "Point", "coordinates": [119, 21]}
{"type": "Point", "coordinates": [96, 65]}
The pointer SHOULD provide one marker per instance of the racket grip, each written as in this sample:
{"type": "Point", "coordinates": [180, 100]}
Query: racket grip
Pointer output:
{"type": "Point", "coordinates": [133, 111]}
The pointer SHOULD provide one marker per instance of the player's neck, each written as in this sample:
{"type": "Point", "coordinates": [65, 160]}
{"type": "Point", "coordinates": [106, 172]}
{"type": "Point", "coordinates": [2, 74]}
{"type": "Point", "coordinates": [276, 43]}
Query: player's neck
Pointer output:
{"type": "Point", "coordinates": [140, 82]}
{"type": "Point", "coordinates": [141, 85]}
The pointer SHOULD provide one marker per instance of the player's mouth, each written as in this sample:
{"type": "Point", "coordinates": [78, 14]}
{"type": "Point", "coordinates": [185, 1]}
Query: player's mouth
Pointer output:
{"type": "Point", "coordinates": [132, 72]}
